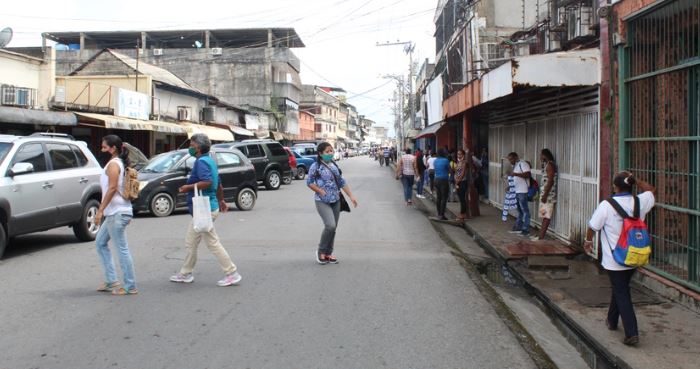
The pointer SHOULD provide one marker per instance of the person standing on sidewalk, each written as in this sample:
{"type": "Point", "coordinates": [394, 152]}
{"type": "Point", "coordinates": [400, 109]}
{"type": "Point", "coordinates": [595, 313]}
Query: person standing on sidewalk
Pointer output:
{"type": "Point", "coordinates": [205, 175]}
{"type": "Point", "coordinates": [114, 214]}
{"type": "Point", "coordinates": [607, 219]}
{"type": "Point", "coordinates": [431, 170]}
{"type": "Point", "coordinates": [521, 172]}
{"type": "Point", "coordinates": [420, 182]}
{"type": "Point", "coordinates": [406, 171]}
{"type": "Point", "coordinates": [484, 172]}
{"type": "Point", "coordinates": [462, 174]}
{"type": "Point", "coordinates": [548, 192]}
{"type": "Point", "coordinates": [442, 182]}
{"type": "Point", "coordinates": [326, 180]}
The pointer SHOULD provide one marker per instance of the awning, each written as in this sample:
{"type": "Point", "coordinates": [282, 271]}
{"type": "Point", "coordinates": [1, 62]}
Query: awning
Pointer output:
{"type": "Point", "coordinates": [41, 117]}
{"type": "Point", "coordinates": [560, 69]}
{"type": "Point", "coordinates": [412, 133]}
{"type": "Point", "coordinates": [114, 122]}
{"type": "Point", "coordinates": [430, 130]}
{"type": "Point", "coordinates": [242, 131]}
{"type": "Point", "coordinates": [277, 135]}
{"type": "Point", "coordinates": [214, 133]}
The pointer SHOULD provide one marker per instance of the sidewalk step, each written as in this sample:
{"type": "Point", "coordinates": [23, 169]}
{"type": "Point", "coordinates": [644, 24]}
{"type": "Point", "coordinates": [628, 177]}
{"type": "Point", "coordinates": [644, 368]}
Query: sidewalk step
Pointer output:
{"type": "Point", "coordinates": [528, 248]}
{"type": "Point", "coordinates": [547, 262]}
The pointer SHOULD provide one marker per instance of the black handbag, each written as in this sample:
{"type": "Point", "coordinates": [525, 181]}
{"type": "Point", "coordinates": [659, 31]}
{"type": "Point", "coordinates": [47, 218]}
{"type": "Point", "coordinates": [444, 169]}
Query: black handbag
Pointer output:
{"type": "Point", "coordinates": [344, 206]}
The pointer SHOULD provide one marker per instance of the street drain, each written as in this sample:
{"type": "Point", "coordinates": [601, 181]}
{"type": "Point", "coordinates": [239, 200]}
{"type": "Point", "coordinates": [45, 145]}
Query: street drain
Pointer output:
{"type": "Point", "coordinates": [498, 274]}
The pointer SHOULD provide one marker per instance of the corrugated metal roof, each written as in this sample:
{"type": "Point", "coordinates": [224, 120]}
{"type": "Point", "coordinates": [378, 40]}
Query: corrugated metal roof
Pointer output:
{"type": "Point", "coordinates": [159, 74]}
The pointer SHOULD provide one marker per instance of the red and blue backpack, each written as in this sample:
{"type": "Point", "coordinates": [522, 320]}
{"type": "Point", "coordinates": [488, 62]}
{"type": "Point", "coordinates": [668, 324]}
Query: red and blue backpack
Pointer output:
{"type": "Point", "coordinates": [633, 248]}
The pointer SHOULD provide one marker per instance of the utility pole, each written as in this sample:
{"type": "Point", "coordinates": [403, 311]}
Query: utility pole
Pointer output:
{"type": "Point", "coordinates": [409, 47]}
{"type": "Point", "coordinates": [138, 51]}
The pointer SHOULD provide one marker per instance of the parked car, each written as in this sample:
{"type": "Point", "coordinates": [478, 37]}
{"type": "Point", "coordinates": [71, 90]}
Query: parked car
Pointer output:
{"type": "Point", "coordinates": [161, 178]}
{"type": "Point", "coordinates": [48, 181]}
{"type": "Point", "coordinates": [303, 164]}
{"type": "Point", "coordinates": [305, 149]}
{"type": "Point", "coordinates": [269, 158]}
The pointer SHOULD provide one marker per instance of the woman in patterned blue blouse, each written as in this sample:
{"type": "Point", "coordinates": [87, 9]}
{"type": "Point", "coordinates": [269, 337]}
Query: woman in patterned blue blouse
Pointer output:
{"type": "Point", "coordinates": [326, 180]}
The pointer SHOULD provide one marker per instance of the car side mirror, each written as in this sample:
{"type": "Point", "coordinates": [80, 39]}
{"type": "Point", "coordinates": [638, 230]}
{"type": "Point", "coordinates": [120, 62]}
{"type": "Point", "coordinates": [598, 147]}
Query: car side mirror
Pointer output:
{"type": "Point", "coordinates": [21, 168]}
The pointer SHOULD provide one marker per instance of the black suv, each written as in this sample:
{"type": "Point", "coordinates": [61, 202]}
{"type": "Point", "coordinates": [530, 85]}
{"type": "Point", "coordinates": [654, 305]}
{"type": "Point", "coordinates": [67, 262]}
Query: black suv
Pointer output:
{"type": "Point", "coordinates": [270, 159]}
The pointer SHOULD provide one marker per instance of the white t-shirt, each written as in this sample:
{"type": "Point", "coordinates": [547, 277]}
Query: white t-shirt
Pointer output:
{"type": "Point", "coordinates": [431, 162]}
{"type": "Point", "coordinates": [606, 220]}
{"type": "Point", "coordinates": [521, 184]}
{"type": "Point", "coordinates": [118, 204]}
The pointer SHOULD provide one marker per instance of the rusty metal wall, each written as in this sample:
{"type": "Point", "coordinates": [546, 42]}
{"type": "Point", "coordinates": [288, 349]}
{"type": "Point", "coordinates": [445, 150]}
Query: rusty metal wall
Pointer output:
{"type": "Point", "coordinates": [572, 136]}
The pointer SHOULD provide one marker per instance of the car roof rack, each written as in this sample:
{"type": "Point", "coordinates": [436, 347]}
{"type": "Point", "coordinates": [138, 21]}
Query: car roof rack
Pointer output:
{"type": "Point", "coordinates": [54, 135]}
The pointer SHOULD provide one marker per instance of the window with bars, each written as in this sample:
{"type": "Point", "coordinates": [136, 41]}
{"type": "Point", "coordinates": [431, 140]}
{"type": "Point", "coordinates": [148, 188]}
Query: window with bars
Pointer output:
{"type": "Point", "coordinates": [660, 129]}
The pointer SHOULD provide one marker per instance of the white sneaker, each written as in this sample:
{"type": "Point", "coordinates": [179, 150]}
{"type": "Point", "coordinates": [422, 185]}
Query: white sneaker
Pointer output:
{"type": "Point", "coordinates": [182, 278]}
{"type": "Point", "coordinates": [229, 279]}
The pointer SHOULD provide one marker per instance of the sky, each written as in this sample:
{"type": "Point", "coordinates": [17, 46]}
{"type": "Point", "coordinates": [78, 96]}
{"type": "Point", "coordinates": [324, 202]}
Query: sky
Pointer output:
{"type": "Point", "coordinates": [341, 36]}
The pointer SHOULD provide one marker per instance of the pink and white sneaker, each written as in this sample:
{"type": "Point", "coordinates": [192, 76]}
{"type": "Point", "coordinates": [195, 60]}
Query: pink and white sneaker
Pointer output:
{"type": "Point", "coordinates": [229, 280]}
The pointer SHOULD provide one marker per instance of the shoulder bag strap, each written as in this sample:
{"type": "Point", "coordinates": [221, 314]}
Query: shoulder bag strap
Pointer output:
{"type": "Point", "coordinates": [635, 212]}
{"type": "Point", "coordinates": [337, 183]}
{"type": "Point", "coordinates": [620, 211]}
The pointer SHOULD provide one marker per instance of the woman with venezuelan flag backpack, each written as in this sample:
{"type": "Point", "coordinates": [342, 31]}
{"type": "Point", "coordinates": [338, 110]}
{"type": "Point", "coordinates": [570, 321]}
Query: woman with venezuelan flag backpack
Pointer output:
{"type": "Point", "coordinates": [625, 245]}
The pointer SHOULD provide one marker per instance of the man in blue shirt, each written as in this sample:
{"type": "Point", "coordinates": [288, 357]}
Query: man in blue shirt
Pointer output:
{"type": "Point", "coordinates": [442, 182]}
{"type": "Point", "coordinates": [205, 175]}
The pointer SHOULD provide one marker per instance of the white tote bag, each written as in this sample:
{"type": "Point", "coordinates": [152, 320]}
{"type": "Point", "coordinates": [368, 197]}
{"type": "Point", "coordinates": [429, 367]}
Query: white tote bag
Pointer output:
{"type": "Point", "coordinates": [201, 212]}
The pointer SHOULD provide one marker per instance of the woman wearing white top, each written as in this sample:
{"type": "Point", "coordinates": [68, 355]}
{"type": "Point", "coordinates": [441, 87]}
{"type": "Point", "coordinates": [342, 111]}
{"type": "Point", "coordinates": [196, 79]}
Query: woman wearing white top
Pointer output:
{"type": "Point", "coordinates": [606, 220]}
{"type": "Point", "coordinates": [113, 216]}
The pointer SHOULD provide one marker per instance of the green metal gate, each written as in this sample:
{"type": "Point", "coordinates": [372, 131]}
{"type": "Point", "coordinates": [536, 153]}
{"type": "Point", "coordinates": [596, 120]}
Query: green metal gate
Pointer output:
{"type": "Point", "coordinates": [659, 70]}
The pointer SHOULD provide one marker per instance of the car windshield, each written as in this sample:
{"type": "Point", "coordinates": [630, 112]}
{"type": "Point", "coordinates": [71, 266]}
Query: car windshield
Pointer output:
{"type": "Point", "coordinates": [164, 162]}
{"type": "Point", "coordinates": [4, 149]}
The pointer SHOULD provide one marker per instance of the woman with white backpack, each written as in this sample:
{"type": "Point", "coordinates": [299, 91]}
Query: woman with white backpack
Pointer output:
{"type": "Point", "coordinates": [614, 230]}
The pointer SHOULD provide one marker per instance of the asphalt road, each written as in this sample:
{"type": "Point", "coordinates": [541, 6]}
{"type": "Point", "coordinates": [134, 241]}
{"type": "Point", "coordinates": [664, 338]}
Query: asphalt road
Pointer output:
{"type": "Point", "coordinates": [398, 298]}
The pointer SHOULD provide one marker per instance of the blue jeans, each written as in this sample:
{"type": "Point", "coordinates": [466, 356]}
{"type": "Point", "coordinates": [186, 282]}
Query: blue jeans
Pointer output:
{"type": "Point", "coordinates": [407, 182]}
{"type": "Point", "coordinates": [114, 227]}
{"type": "Point", "coordinates": [523, 221]}
{"type": "Point", "coordinates": [419, 186]}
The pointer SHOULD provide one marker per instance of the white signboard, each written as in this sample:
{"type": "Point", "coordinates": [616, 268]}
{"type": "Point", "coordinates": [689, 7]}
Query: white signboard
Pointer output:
{"type": "Point", "coordinates": [132, 104]}
{"type": "Point", "coordinates": [252, 122]}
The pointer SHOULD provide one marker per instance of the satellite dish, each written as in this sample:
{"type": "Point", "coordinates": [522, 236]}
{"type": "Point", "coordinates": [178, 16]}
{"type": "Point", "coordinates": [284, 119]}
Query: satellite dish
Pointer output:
{"type": "Point", "coordinates": [5, 36]}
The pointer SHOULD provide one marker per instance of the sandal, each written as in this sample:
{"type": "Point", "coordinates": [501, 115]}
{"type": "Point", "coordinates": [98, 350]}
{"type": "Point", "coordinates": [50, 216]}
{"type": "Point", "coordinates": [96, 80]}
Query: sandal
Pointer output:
{"type": "Point", "coordinates": [332, 259]}
{"type": "Point", "coordinates": [108, 287]}
{"type": "Point", "coordinates": [121, 291]}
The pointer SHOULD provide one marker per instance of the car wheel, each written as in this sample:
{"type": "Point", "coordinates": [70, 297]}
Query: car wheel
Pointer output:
{"type": "Point", "coordinates": [287, 179]}
{"type": "Point", "coordinates": [301, 173]}
{"type": "Point", "coordinates": [273, 180]}
{"type": "Point", "coordinates": [86, 229]}
{"type": "Point", "coordinates": [245, 199]}
{"type": "Point", "coordinates": [162, 204]}
{"type": "Point", "coordinates": [3, 240]}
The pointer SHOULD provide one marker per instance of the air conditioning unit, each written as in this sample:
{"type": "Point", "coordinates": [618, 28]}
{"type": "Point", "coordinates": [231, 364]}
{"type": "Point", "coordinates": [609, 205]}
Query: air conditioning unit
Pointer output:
{"type": "Point", "coordinates": [209, 114]}
{"type": "Point", "coordinates": [217, 50]}
{"type": "Point", "coordinates": [184, 113]}
{"type": "Point", "coordinates": [157, 52]}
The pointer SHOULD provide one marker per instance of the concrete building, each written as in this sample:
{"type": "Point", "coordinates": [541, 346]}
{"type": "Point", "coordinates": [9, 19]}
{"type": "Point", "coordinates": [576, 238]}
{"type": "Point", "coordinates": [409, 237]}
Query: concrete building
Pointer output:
{"type": "Point", "coordinates": [534, 94]}
{"type": "Point", "coordinates": [108, 92]}
{"type": "Point", "coordinates": [307, 126]}
{"type": "Point", "coordinates": [325, 106]}
{"type": "Point", "coordinates": [251, 68]}
{"type": "Point", "coordinates": [26, 89]}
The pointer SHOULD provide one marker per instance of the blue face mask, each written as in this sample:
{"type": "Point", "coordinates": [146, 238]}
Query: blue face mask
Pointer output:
{"type": "Point", "coordinates": [192, 151]}
{"type": "Point", "coordinates": [327, 157]}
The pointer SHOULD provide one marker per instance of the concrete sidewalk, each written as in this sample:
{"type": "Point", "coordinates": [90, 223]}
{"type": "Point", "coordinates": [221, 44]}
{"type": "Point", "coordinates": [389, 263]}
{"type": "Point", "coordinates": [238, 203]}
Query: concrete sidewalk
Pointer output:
{"type": "Point", "coordinates": [576, 291]}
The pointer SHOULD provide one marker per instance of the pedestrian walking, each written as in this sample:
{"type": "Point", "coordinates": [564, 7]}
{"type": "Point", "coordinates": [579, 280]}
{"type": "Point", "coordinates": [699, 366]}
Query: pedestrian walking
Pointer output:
{"type": "Point", "coordinates": [452, 196]}
{"type": "Point", "coordinates": [521, 172]}
{"type": "Point", "coordinates": [387, 156]}
{"type": "Point", "coordinates": [442, 184]}
{"type": "Point", "coordinates": [326, 180]}
{"type": "Point", "coordinates": [380, 156]}
{"type": "Point", "coordinates": [113, 216]}
{"type": "Point", "coordinates": [406, 171]}
{"type": "Point", "coordinates": [608, 220]}
{"type": "Point", "coordinates": [205, 176]}
{"type": "Point", "coordinates": [431, 170]}
{"type": "Point", "coordinates": [420, 182]}
{"type": "Point", "coordinates": [548, 192]}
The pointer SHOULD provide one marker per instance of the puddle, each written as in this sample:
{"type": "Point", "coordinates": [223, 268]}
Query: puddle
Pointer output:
{"type": "Point", "coordinates": [498, 274]}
